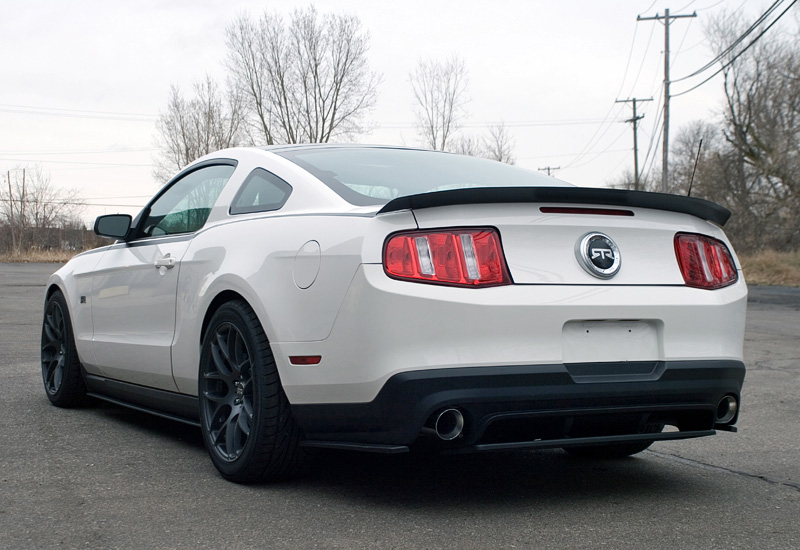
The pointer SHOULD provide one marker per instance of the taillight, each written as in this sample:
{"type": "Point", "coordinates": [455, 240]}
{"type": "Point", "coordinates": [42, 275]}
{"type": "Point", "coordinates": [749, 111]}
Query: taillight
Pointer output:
{"type": "Point", "coordinates": [462, 257]}
{"type": "Point", "coordinates": [705, 262]}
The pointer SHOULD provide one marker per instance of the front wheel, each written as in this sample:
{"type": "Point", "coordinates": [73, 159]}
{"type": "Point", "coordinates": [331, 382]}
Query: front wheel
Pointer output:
{"type": "Point", "coordinates": [245, 418]}
{"type": "Point", "coordinates": [61, 368]}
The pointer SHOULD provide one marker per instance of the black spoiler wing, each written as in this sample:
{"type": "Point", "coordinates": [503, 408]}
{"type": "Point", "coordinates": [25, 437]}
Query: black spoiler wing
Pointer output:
{"type": "Point", "coordinates": [700, 208]}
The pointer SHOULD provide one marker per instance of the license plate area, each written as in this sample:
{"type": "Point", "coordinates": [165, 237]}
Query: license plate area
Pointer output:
{"type": "Point", "coordinates": [610, 341]}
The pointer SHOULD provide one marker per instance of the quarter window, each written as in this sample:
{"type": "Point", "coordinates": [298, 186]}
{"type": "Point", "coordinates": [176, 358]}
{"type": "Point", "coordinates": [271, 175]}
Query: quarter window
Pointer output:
{"type": "Point", "coordinates": [186, 205]}
{"type": "Point", "coordinates": [262, 191]}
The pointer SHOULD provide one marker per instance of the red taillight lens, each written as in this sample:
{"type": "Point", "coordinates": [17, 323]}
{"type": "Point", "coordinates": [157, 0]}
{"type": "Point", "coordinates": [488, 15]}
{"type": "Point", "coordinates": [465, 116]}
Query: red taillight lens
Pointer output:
{"type": "Point", "coordinates": [463, 257]}
{"type": "Point", "coordinates": [705, 262]}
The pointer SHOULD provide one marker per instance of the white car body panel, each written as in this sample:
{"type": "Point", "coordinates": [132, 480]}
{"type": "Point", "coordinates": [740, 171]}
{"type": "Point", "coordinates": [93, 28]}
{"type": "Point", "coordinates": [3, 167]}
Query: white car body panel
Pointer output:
{"type": "Point", "coordinates": [133, 310]}
{"type": "Point", "coordinates": [263, 270]}
{"type": "Point", "coordinates": [526, 323]}
{"type": "Point", "coordinates": [540, 248]}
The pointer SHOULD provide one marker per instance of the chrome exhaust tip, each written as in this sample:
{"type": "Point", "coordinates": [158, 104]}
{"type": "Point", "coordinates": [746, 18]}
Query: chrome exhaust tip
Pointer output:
{"type": "Point", "coordinates": [727, 409]}
{"type": "Point", "coordinates": [449, 424]}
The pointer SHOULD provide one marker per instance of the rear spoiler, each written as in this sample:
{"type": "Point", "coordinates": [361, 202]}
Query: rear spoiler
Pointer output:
{"type": "Point", "coordinates": [699, 208]}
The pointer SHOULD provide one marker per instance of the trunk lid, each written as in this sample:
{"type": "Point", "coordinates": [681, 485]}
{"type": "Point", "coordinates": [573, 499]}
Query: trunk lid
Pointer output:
{"type": "Point", "coordinates": [541, 240]}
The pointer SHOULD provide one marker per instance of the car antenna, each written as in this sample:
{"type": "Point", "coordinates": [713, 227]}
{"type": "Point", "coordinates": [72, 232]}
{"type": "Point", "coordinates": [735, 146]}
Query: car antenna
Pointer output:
{"type": "Point", "coordinates": [691, 181]}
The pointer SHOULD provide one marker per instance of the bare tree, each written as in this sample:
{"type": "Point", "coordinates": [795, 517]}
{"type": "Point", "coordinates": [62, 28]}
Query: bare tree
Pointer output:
{"type": "Point", "coordinates": [498, 145]}
{"type": "Point", "coordinates": [190, 128]}
{"type": "Point", "coordinates": [627, 181]}
{"type": "Point", "coordinates": [31, 207]}
{"type": "Point", "coordinates": [307, 81]}
{"type": "Point", "coordinates": [761, 130]}
{"type": "Point", "coordinates": [440, 98]}
{"type": "Point", "coordinates": [467, 144]}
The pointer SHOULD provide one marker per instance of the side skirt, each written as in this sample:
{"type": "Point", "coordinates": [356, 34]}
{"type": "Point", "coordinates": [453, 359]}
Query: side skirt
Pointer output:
{"type": "Point", "coordinates": [170, 405]}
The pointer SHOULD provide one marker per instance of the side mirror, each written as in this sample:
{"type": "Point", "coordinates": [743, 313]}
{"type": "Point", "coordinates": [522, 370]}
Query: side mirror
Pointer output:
{"type": "Point", "coordinates": [115, 226]}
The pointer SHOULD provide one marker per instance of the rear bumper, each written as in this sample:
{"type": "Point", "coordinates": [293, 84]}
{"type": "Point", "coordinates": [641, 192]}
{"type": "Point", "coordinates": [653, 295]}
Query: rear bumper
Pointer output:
{"type": "Point", "coordinates": [533, 406]}
{"type": "Point", "coordinates": [387, 327]}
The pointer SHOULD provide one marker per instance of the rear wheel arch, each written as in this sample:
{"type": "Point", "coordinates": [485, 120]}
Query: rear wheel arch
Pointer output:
{"type": "Point", "coordinates": [52, 289]}
{"type": "Point", "coordinates": [219, 300]}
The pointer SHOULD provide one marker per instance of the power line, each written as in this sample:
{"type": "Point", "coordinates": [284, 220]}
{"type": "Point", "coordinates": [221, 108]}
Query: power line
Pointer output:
{"type": "Point", "coordinates": [736, 42]}
{"type": "Point", "coordinates": [79, 203]}
{"type": "Point", "coordinates": [571, 154]}
{"type": "Point", "coordinates": [644, 58]}
{"type": "Point", "coordinates": [592, 141]}
{"type": "Point", "coordinates": [56, 110]}
{"type": "Point", "coordinates": [488, 124]}
{"type": "Point", "coordinates": [74, 162]}
{"type": "Point", "coordinates": [96, 152]}
{"type": "Point", "coordinates": [734, 58]}
{"type": "Point", "coordinates": [606, 150]}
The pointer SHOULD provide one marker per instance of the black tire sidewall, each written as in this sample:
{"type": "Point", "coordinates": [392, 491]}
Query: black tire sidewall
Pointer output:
{"type": "Point", "coordinates": [236, 313]}
{"type": "Point", "coordinates": [72, 390]}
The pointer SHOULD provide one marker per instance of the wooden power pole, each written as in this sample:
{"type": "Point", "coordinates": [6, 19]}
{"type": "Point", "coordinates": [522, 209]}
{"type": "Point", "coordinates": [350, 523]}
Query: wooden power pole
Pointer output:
{"type": "Point", "coordinates": [635, 120]}
{"type": "Point", "coordinates": [665, 145]}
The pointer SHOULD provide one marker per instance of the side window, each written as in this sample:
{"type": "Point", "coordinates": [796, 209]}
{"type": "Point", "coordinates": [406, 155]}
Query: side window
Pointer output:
{"type": "Point", "coordinates": [262, 191]}
{"type": "Point", "coordinates": [185, 206]}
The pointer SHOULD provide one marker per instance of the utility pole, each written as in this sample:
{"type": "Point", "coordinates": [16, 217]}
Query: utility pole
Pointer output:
{"type": "Point", "coordinates": [11, 214]}
{"type": "Point", "coordinates": [549, 168]}
{"type": "Point", "coordinates": [665, 150]}
{"type": "Point", "coordinates": [634, 121]}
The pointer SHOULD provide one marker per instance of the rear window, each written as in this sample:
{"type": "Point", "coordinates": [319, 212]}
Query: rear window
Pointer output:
{"type": "Point", "coordinates": [367, 176]}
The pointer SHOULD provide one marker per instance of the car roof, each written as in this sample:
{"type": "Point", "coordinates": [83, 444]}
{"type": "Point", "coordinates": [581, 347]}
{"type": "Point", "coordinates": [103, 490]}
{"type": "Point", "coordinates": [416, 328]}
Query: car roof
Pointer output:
{"type": "Point", "coordinates": [301, 146]}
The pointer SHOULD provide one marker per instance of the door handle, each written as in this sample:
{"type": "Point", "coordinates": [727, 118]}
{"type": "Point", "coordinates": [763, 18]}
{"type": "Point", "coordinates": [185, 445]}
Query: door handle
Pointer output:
{"type": "Point", "coordinates": [167, 261]}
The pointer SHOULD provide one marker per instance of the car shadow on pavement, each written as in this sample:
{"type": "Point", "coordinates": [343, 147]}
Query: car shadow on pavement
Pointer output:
{"type": "Point", "coordinates": [502, 478]}
{"type": "Point", "coordinates": [434, 481]}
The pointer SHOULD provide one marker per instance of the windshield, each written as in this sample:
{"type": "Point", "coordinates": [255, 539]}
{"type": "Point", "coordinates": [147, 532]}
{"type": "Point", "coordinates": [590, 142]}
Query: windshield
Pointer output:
{"type": "Point", "coordinates": [370, 175]}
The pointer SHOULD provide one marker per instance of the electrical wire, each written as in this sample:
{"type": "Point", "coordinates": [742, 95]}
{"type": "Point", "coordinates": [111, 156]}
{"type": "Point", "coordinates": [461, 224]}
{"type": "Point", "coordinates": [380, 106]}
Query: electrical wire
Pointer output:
{"type": "Point", "coordinates": [570, 154]}
{"type": "Point", "coordinates": [736, 42]}
{"type": "Point", "coordinates": [649, 7]}
{"type": "Point", "coordinates": [56, 111]}
{"type": "Point", "coordinates": [734, 58]}
{"type": "Point", "coordinates": [98, 152]}
{"type": "Point", "coordinates": [644, 58]}
{"type": "Point", "coordinates": [72, 162]}
{"type": "Point", "coordinates": [711, 6]}
{"type": "Point", "coordinates": [592, 141]}
{"type": "Point", "coordinates": [595, 157]}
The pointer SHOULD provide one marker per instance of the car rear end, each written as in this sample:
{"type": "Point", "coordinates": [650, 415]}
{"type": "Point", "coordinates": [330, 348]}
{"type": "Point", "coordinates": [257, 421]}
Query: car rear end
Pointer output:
{"type": "Point", "coordinates": [521, 318]}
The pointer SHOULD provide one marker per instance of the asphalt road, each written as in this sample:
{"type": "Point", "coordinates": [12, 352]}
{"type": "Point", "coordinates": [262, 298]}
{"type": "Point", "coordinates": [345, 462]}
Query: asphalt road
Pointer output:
{"type": "Point", "coordinates": [105, 477]}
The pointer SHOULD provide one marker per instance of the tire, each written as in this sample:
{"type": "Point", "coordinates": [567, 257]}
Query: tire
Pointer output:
{"type": "Point", "coordinates": [615, 450]}
{"type": "Point", "coordinates": [245, 417]}
{"type": "Point", "coordinates": [61, 369]}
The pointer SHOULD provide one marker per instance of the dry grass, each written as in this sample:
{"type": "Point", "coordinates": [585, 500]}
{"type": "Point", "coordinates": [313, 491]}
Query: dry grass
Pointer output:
{"type": "Point", "coordinates": [771, 268]}
{"type": "Point", "coordinates": [40, 256]}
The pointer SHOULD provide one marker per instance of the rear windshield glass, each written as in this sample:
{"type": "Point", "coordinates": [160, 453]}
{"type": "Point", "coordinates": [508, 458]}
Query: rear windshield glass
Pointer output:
{"type": "Point", "coordinates": [367, 176]}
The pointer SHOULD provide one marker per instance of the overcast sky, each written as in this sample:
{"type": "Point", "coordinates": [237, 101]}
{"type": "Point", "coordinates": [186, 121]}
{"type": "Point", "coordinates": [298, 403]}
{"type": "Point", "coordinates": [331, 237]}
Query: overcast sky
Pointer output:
{"type": "Point", "coordinates": [82, 82]}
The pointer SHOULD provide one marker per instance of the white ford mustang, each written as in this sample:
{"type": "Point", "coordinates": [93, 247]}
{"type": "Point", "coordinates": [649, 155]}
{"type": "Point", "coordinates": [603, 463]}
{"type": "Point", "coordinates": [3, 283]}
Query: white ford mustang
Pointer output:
{"type": "Point", "coordinates": [375, 298]}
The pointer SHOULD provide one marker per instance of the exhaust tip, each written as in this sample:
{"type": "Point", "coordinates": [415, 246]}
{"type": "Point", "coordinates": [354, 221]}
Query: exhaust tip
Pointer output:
{"type": "Point", "coordinates": [727, 409]}
{"type": "Point", "coordinates": [449, 424]}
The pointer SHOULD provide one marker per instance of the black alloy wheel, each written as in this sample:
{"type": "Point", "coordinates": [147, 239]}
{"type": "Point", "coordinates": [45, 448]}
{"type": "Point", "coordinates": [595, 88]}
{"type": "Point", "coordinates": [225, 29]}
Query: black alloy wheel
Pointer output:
{"type": "Point", "coordinates": [61, 368]}
{"type": "Point", "coordinates": [244, 414]}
